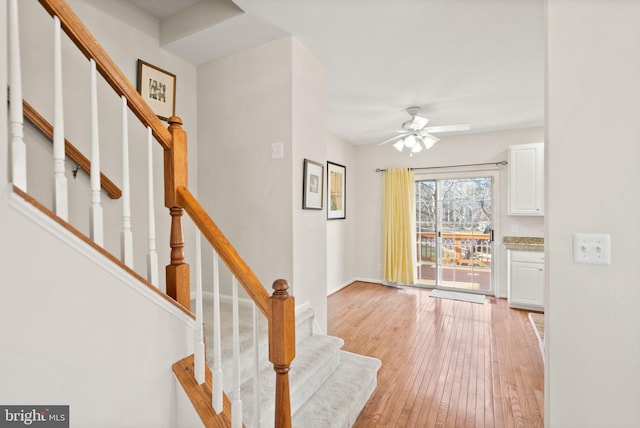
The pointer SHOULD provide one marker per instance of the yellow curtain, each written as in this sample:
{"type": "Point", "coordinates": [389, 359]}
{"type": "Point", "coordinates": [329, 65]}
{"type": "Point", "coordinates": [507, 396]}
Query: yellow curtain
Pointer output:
{"type": "Point", "coordinates": [399, 224]}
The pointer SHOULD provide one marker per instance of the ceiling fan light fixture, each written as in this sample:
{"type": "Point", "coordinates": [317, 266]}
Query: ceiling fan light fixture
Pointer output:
{"type": "Point", "coordinates": [429, 141]}
{"type": "Point", "coordinates": [410, 141]}
{"type": "Point", "coordinates": [416, 136]}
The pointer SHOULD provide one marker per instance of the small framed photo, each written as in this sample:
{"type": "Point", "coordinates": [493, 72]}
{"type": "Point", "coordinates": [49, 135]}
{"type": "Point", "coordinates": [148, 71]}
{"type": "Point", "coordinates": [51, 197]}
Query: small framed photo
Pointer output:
{"type": "Point", "coordinates": [336, 191]}
{"type": "Point", "coordinates": [158, 89]}
{"type": "Point", "coordinates": [312, 185]}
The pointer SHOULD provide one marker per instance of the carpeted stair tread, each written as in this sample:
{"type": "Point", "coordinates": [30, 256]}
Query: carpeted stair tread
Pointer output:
{"type": "Point", "coordinates": [328, 386]}
{"type": "Point", "coordinates": [304, 323]}
{"type": "Point", "coordinates": [304, 329]}
{"type": "Point", "coordinates": [338, 402]}
{"type": "Point", "coordinates": [316, 359]}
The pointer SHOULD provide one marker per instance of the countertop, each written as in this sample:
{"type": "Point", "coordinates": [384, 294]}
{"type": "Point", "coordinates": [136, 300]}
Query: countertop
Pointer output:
{"type": "Point", "coordinates": [524, 243]}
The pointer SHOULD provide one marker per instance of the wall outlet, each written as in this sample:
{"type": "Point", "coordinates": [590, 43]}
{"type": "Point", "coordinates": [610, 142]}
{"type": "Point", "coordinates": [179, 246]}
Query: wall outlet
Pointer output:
{"type": "Point", "coordinates": [379, 267]}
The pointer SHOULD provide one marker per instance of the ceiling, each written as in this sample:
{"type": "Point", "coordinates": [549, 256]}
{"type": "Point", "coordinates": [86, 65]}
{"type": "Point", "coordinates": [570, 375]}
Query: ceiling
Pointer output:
{"type": "Point", "coordinates": [479, 62]}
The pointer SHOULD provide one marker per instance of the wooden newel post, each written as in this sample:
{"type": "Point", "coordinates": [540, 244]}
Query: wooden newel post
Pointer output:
{"type": "Point", "coordinates": [282, 347]}
{"type": "Point", "coordinates": [176, 175]}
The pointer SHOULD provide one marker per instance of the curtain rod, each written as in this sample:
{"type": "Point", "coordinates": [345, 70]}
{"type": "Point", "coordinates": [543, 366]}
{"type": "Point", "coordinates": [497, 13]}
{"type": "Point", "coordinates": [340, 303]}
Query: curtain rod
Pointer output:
{"type": "Point", "coordinates": [499, 163]}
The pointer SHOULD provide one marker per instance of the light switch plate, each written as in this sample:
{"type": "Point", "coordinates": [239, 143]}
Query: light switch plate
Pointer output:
{"type": "Point", "coordinates": [277, 150]}
{"type": "Point", "coordinates": [592, 248]}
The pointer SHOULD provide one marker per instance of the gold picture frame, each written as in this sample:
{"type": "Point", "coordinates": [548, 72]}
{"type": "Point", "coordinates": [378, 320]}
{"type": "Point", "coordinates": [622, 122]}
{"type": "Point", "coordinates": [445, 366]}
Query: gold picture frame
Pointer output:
{"type": "Point", "coordinates": [336, 191]}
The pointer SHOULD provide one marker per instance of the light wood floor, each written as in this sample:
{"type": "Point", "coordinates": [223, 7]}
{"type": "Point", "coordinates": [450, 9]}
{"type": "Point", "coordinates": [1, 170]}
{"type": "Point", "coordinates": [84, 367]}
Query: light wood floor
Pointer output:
{"type": "Point", "coordinates": [444, 362]}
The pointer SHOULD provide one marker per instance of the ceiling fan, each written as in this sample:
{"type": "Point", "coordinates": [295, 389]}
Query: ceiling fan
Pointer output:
{"type": "Point", "coordinates": [415, 133]}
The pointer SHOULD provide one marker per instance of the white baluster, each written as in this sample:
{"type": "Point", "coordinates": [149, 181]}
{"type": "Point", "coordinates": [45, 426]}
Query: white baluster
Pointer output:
{"type": "Point", "coordinates": [95, 213]}
{"type": "Point", "coordinates": [60, 202]}
{"type": "Point", "coordinates": [198, 347]}
{"type": "Point", "coordinates": [126, 236]}
{"type": "Point", "coordinates": [152, 256]}
{"type": "Point", "coordinates": [256, 369]}
{"type": "Point", "coordinates": [18, 148]}
{"type": "Point", "coordinates": [216, 395]}
{"type": "Point", "coordinates": [236, 401]}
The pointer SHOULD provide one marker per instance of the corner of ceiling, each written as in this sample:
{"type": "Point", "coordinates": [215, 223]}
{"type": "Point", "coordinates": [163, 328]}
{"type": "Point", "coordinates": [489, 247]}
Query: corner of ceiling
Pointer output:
{"type": "Point", "coordinates": [211, 29]}
{"type": "Point", "coordinates": [195, 18]}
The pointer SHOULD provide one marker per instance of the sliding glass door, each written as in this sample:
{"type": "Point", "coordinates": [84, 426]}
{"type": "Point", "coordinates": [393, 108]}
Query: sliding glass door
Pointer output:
{"type": "Point", "coordinates": [454, 232]}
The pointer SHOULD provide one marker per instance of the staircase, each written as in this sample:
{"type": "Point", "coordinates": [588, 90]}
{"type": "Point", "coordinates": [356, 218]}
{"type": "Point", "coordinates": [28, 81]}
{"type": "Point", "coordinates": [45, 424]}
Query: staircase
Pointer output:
{"type": "Point", "coordinates": [328, 386]}
{"type": "Point", "coordinates": [296, 378]}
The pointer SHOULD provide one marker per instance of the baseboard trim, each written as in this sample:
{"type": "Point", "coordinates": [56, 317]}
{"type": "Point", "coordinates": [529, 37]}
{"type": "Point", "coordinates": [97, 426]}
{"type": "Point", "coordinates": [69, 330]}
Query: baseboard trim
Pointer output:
{"type": "Point", "coordinates": [340, 287]}
{"type": "Point", "coordinates": [540, 341]}
{"type": "Point", "coordinates": [351, 281]}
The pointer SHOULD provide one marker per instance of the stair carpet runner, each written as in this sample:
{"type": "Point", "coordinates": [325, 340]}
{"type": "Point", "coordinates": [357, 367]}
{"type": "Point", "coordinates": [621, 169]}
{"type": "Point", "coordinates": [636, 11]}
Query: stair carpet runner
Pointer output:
{"type": "Point", "coordinates": [328, 386]}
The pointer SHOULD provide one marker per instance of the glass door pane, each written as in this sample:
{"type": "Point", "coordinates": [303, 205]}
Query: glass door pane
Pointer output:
{"type": "Point", "coordinates": [461, 235]}
{"type": "Point", "coordinates": [426, 232]}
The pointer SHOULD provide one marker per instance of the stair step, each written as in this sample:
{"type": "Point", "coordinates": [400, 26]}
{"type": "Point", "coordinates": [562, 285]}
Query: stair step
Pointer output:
{"type": "Point", "coordinates": [316, 360]}
{"type": "Point", "coordinates": [304, 329]}
{"type": "Point", "coordinates": [339, 401]}
{"type": "Point", "coordinates": [328, 386]}
{"type": "Point", "coordinates": [304, 323]}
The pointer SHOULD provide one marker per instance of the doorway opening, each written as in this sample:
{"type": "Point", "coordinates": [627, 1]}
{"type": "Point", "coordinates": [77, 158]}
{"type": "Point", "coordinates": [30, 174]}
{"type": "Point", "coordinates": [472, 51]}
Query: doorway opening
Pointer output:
{"type": "Point", "coordinates": [454, 233]}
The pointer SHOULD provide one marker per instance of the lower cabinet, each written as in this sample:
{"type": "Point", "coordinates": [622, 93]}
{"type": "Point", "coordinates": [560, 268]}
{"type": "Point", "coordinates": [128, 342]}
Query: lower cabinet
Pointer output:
{"type": "Point", "coordinates": [526, 279]}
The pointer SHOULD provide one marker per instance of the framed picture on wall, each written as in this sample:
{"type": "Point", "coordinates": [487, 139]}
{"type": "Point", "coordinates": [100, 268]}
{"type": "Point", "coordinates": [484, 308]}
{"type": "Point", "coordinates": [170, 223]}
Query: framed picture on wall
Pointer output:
{"type": "Point", "coordinates": [336, 191]}
{"type": "Point", "coordinates": [312, 185]}
{"type": "Point", "coordinates": [158, 89]}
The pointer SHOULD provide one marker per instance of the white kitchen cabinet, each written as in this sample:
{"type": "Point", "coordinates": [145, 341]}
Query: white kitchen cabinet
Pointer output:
{"type": "Point", "coordinates": [526, 179]}
{"type": "Point", "coordinates": [526, 279]}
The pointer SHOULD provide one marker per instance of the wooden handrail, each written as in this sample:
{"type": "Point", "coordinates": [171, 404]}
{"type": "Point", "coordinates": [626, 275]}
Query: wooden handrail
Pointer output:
{"type": "Point", "coordinates": [72, 151]}
{"type": "Point", "coordinates": [84, 40]}
{"type": "Point", "coordinates": [225, 250]}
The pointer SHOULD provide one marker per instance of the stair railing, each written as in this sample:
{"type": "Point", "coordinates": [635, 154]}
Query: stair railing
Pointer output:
{"type": "Point", "coordinates": [72, 152]}
{"type": "Point", "coordinates": [277, 308]}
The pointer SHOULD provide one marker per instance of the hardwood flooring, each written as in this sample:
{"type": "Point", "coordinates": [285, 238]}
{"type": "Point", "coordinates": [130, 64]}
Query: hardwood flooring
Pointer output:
{"type": "Point", "coordinates": [445, 363]}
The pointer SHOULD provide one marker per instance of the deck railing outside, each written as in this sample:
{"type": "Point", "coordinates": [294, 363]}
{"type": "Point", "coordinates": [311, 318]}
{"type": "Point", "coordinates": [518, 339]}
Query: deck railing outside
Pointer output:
{"type": "Point", "coordinates": [457, 248]}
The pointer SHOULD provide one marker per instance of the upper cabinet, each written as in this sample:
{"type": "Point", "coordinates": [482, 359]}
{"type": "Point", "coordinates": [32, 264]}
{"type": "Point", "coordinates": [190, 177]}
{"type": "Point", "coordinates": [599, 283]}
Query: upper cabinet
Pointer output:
{"type": "Point", "coordinates": [526, 179]}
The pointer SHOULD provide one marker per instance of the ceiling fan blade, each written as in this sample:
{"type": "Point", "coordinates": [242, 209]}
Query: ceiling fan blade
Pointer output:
{"type": "Point", "coordinates": [397, 137]}
{"type": "Point", "coordinates": [448, 128]}
{"type": "Point", "coordinates": [417, 123]}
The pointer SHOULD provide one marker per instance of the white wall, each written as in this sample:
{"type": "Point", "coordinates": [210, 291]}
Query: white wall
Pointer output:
{"type": "Point", "coordinates": [4, 147]}
{"type": "Point", "coordinates": [127, 33]}
{"type": "Point", "coordinates": [83, 334]}
{"type": "Point", "coordinates": [593, 316]}
{"type": "Point", "coordinates": [341, 234]}
{"type": "Point", "coordinates": [451, 150]}
{"type": "Point", "coordinates": [244, 105]}
{"type": "Point", "coordinates": [309, 142]}
{"type": "Point", "coordinates": [247, 101]}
